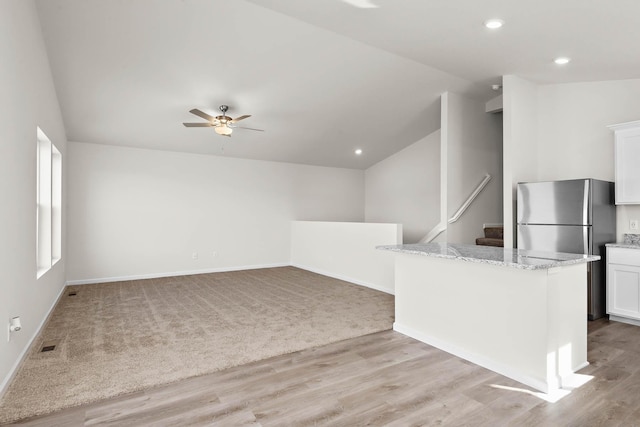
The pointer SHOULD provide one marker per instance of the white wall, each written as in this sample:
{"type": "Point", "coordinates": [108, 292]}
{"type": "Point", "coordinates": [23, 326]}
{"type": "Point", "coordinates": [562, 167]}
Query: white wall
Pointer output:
{"type": "Point", "coordinates": [347, 251]}
{"type": "Point", "coordinates": [520, 145]}
{"type": "Point", "coordinates": [573, 138]}
{"type": "Point", "coordinates": [472, 147]}
{"type": "Point", "coordinates": [135, 212]}
{"type": "Point", "coordinates": [28, 100]}
{"type": "Point", "coordinates": [559, 131]}
{"type": "Point", "coordinates": [405, 188]}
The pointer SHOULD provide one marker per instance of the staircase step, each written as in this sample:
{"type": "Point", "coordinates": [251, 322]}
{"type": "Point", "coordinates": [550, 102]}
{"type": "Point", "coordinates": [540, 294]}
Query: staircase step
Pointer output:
{"type": "Point", "coordinates": [489, 241]}
{"type": "Point", "coordinates": [494, 232]}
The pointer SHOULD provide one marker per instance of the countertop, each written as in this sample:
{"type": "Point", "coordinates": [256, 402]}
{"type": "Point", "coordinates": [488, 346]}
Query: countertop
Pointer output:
{"type": "Point", "coordinates": [622, 245]}
{"type": "Point", "coordinates": [631, 241]}
{"type": "Point", "coordinates": [514, 258]}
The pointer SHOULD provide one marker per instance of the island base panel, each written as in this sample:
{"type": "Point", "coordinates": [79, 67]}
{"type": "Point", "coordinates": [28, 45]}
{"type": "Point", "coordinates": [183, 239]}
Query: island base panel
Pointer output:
{"type": "Point", "coordinates": [529, 325]}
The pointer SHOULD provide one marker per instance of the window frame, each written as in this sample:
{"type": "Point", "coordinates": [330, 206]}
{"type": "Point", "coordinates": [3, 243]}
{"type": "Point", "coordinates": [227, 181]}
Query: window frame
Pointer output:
{"type": "Point", "coordinates": [48, 204]}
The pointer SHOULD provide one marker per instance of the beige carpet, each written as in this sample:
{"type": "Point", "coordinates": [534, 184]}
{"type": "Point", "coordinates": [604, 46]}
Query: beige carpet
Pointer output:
{"type": "Point", "coordinates": [115, 338]}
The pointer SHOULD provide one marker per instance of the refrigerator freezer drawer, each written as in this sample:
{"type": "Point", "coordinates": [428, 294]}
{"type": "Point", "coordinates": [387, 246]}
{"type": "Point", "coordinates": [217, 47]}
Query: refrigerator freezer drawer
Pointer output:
{"type": "Point", "coordinates": [557, 202]}
{"type": "Point", "coordinates": [575, 239]}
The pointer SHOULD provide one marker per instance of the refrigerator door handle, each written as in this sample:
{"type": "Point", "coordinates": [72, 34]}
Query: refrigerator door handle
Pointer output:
{"type": "Point", "coordinates": [586, 239]}
{"type": "Point", "coordinates": [587, 201]}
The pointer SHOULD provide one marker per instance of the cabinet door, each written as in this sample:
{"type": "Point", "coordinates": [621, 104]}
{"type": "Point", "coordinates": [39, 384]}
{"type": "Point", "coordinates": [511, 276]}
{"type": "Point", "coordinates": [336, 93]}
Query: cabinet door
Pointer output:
{"type": "Point", "coordinates": [623, 290]}
{"type": "Point", "coordinates": [627, 153]}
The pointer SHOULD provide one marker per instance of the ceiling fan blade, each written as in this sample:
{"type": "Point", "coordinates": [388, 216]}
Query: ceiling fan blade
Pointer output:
{"type": "Point", "coordinates": [202, 114]}
{"type": "Point", "coordinates": [242, 127]}
{"type": "Point", "coordinates": [198, 125]}
{"type": "Point", "coordinates": [237, 119]}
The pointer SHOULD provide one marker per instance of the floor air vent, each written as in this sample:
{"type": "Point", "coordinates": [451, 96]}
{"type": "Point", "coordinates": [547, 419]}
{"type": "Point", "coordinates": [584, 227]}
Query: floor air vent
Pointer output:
{"type": "Point", "coordinates": [73, 293]}
{"type": "Point", "coordinates": [47, 348]}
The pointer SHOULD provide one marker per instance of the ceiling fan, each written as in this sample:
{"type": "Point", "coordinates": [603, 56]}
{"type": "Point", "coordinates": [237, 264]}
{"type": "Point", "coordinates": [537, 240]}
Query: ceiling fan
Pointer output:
{"type": "Point", "coordinates": [223, 124]}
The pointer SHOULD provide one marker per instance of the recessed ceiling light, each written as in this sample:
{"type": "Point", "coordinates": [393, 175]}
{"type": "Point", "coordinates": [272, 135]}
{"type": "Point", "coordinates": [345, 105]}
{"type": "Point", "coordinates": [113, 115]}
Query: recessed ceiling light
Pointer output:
{"type": "Point", "coordinates": [362, 4]}
{"type": "Point", "coordinates": [358, 152]}
{"type": "Point", "coordinates": [562, 60]}
{"type": "Point", "coordinates": [493, 23]}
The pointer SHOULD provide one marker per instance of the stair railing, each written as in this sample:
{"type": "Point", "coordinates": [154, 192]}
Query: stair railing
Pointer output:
{"type": "Point", "coordinates": [442, 226]}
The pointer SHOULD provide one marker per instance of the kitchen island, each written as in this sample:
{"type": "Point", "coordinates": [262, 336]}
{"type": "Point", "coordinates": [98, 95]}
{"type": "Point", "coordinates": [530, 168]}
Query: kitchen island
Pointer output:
{"type": "Point", "coordinates": [520, 313]}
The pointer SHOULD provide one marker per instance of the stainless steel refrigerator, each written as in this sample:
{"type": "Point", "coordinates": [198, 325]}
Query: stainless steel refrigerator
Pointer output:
{"type": "Point", "coordinates": [574, 216]}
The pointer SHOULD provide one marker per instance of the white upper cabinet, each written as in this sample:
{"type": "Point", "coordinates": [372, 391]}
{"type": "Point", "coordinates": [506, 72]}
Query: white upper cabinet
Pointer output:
{"type": "Point", "coordinates": [627, 162]}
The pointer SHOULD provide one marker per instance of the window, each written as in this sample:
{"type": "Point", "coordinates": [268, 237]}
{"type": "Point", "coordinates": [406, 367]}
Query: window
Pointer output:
{"type": "Point", "coordinates": [49, 204]}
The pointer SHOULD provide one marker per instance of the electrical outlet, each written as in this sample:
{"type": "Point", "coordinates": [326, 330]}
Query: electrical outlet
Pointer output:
{"type": "Point", "coordinates": [194, 255]}
{"type": "Point", "coordinates": [214, 254]}
{"type": "Point", "coordinates": [14, 326]}
{"type": "Point", "coordinates": [633, 224]}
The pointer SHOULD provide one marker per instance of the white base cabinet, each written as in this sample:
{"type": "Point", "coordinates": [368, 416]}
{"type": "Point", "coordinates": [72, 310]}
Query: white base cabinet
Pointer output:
{"type": "Point", "coordinates": [623, 284]}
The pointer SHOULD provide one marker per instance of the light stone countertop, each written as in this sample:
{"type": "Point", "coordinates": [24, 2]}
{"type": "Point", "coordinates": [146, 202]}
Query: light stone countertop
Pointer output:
{"type": "Point", "coordinates": [622, 245]}
{"type": "Point", "coordinates": [514, 258]}
{"type": "Point", "coordinates": [631, 241]}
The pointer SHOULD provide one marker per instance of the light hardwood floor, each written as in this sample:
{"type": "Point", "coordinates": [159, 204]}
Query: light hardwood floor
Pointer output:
{"type": "Point", "coordinates": [380, 379]}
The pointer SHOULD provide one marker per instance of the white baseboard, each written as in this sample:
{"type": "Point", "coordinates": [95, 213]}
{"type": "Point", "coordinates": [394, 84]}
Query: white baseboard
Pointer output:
{"type": "Point", "coordinates": [477, 359]}
{"type": "Point", "coordinates": [14, 369]}
{"type": "Point", "coordinates": [345, 278]}
{"type": "Point", "coordinates": [225, 269]}
{"type": "Point", "coordinates": [626, 320]}
{"type": "Point", "coordinates": [172, 274]}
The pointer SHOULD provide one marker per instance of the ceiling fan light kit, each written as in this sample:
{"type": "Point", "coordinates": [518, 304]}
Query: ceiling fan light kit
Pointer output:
{"type": "Point", "coordinates": [223, 130]}
{"type": "Point", "coordinates": [223, 124]}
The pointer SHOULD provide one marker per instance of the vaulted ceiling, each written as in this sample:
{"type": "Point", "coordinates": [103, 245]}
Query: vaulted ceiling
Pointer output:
{"type": "Point", "coordinates": [321, 77]}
